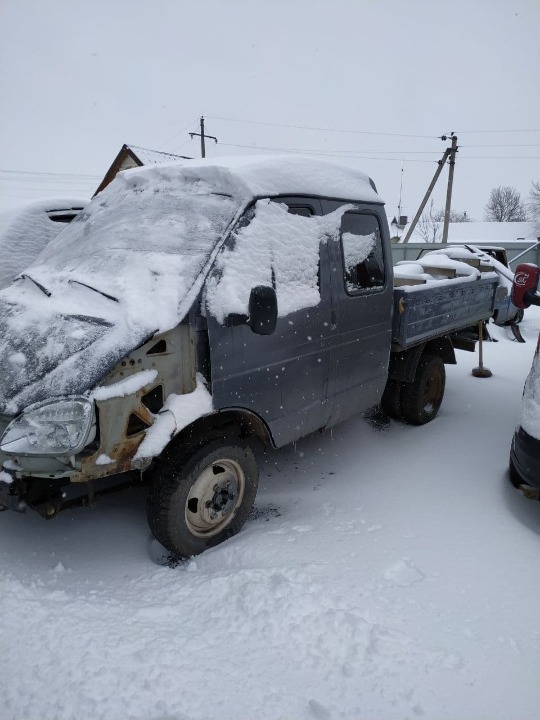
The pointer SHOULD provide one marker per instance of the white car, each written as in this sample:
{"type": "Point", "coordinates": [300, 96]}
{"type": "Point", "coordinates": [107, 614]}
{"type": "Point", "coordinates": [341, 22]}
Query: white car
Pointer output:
{"type": "Point", "coordinates": [26, 231]}
{"type": "Point", "coordinates": [525, 450]}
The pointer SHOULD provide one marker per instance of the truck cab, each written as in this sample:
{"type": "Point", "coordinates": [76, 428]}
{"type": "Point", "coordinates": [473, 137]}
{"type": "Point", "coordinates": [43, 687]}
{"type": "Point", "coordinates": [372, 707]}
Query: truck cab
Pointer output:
{"type": "Point", "coordinates": [188, 312]}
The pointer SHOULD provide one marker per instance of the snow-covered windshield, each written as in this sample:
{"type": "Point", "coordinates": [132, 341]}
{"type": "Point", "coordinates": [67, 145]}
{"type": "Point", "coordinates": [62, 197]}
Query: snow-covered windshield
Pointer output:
{"type": "Point", "coordinates": [141, 243]}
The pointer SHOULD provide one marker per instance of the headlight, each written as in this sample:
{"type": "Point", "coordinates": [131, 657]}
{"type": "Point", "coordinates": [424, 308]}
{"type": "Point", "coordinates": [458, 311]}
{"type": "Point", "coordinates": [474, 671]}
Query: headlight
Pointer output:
{"type": "Point", "coordinates": [52, 427]}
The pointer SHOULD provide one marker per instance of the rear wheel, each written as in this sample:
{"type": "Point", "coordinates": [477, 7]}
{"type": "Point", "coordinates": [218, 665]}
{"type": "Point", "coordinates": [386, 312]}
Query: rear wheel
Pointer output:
{"type": "Point", "coordinates": [422, 398]}
{"type": "Point", "coordinates": [201, 497]}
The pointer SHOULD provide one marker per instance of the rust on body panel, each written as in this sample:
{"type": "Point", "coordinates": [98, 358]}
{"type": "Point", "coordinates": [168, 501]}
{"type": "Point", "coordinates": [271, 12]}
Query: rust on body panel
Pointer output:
{"type": "Point", "coordinates": [122, 421]}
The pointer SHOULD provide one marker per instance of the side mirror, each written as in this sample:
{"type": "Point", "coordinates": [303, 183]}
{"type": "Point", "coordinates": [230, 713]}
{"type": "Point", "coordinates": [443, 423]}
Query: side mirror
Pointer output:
{"type": "Point", "coordinates": [525, 286]}
{"type": "Point", "coordinates": [263, 310]}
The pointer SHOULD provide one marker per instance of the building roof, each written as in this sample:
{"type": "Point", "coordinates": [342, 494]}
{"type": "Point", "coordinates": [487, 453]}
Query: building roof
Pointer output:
{"type": "Point", "coordinates": [482, 232]}
{"type": "Point", "coordinates": [134, 156]}
{"type": "Point", "coordinates": [154, 157]}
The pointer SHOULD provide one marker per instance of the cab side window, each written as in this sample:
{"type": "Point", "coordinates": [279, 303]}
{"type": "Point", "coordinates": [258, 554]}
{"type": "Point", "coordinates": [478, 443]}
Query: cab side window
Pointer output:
{"type": "Point", "coordinates": [300, 210]}
{"type": "Point", "coordinates": [361, 246]}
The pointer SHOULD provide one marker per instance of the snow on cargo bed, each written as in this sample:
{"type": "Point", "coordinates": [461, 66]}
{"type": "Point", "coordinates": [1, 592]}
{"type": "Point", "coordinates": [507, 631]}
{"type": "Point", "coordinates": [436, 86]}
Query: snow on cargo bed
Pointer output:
{"type": "Point", "coordinates": [437, 267]}
{"type": "Point", "coordinates": [436, 295]}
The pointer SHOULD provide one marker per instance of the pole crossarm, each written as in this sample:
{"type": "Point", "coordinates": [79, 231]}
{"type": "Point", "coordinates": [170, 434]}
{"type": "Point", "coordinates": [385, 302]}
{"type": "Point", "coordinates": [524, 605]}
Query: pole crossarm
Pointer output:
{"type": "Point", "coordinates": [203, 136]}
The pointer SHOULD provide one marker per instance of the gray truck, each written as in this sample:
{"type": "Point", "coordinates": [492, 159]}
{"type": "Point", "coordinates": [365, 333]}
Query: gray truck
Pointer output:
{"type": "Point", "coordinates": [196, 310]}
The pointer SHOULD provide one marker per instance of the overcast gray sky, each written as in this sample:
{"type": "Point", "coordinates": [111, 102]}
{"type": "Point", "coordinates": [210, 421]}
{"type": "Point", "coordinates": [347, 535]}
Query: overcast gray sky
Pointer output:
{"type": "Point", "coordinates": [81, 77]}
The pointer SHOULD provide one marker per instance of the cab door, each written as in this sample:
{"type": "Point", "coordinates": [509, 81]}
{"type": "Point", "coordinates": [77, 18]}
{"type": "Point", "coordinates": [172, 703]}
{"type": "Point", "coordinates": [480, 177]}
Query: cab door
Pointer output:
{"type": "Point", "coordinates": [362, 289]}
{"type": "Point", "coordinates": [282, 377]}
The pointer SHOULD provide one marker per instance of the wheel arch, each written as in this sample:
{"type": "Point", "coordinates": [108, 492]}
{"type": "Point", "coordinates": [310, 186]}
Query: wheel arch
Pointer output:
{"type": "Point", "coordinates": [403, 364]}
{"type": "Point", "coordinates": [229, 422]}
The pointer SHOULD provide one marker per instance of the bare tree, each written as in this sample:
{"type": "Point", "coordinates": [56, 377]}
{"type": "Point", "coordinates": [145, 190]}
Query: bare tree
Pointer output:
{"type": "Point", "coordinates": [504, 205]}
{"type": "Point", "coordinates": [533, 206]}
{"type": "Point", "coordinates": [455, 216]}
{"type": "Point", "coordinates": [430, 225]}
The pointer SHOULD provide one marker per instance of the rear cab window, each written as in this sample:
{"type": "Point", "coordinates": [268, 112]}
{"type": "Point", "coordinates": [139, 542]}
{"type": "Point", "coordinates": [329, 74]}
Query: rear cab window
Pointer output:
{"type": "Point", "coordinates": [362, 253]}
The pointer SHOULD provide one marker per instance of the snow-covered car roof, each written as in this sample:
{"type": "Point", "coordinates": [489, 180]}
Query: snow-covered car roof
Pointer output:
{"type": "Point", "coordinates": [265, 176]}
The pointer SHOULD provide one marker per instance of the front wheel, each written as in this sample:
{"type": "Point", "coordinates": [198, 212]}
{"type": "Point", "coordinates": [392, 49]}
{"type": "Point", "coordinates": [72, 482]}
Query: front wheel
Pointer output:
{"type": "Point", "coordinates": [198, 499]}
{"type": "Point", "coordinates": [421, 399]}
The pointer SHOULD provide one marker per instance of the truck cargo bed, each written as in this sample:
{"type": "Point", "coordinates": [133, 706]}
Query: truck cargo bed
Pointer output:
{"type": "Point", "coordinates": [422, 312]}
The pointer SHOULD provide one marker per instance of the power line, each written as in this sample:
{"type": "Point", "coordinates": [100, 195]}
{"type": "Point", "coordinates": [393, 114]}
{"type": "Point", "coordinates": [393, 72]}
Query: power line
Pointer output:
{"type": "Point", "coordinates": [361, 155]}
{"type": "Point", "coordinates": [379, 151]}
{"type": "Point", "coordinates": [176, 134]}
{"type": "Point", "coordinates": [499, 146]}
{"type": "Point", "coordinates": [321, 129]}
{"type": "Point", "coordinates": [335, 152]}
{"type": "Point", "coordinates": [51, 174]}
{"type": "Point", "coordinates": [499, 157]}
{"type": "Point", "coordinates": [320, 154]}
{"type": "Point", "coordinates": [479, 132]}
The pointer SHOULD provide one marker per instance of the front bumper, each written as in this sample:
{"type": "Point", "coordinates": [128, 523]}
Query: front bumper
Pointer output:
{"type": "Point", "coordinates": [525, 458]}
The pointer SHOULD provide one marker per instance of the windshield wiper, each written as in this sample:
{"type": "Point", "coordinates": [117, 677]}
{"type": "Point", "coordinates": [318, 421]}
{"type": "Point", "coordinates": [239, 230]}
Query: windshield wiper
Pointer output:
{"type": "Point", "coordinates": [110, 297]}
{"type": "Point", "coordinates": [39, 285]}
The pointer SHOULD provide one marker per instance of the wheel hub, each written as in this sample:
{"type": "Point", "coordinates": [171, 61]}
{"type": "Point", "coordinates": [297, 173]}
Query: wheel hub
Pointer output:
{"type": "Point", "coordinates": [214, 496]}
{"type": "Point", "coordinates": [223, 499]}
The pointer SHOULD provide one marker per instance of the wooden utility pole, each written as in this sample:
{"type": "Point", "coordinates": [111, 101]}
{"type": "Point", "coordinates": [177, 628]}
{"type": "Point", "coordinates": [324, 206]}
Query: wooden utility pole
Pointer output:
{"type": "Point", "coordinates": [448, 153]}
{"type": "Point", "coordinates": [202, 136]}
{"type": "Point", "coordinates": [420, 210]}
{"type": "Point", "coordinates": [452, 163]}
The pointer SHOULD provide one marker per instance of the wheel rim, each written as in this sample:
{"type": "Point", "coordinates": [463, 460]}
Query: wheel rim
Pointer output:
{"type": "Point", "coordinates": [214, 497]}
{"type": "Point", "coordinates": [433, 392]}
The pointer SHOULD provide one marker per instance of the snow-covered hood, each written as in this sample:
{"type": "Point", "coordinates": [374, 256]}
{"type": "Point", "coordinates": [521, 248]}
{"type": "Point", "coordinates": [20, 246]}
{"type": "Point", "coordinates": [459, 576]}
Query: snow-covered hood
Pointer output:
{"type": "Point", "coordinates": [55, 354]}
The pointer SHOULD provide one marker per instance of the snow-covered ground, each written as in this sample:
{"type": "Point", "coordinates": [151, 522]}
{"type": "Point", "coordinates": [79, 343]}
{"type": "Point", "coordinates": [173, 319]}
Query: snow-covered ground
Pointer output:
{"type": "Point", "coordinates": [388, 572]}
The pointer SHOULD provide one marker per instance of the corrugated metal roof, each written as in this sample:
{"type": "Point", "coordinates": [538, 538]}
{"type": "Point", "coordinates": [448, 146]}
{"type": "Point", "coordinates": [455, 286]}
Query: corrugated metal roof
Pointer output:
{"type": "Point", "coordinates": [154, 157]}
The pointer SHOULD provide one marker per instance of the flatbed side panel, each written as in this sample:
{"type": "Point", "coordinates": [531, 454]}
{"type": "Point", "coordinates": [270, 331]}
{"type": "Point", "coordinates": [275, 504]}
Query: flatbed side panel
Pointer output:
{"type": "Point", "coordinates": [435, 310]}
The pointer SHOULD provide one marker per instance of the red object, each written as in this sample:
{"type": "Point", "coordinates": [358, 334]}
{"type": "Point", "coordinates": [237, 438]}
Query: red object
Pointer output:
{"type": "Point", "coordinates": [525, 285]}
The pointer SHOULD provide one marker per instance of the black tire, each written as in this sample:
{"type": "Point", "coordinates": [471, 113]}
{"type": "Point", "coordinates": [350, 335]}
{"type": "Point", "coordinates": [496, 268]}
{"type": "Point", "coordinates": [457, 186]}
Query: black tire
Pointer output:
{"type": "Point", "coordinates": [422, 398]}
{"type": "Point", "coordinates": [391, 402]}
{"type": "Point", "coordinates": [515, 478]}
{"type": "Point", "coordinates": [200, 497]}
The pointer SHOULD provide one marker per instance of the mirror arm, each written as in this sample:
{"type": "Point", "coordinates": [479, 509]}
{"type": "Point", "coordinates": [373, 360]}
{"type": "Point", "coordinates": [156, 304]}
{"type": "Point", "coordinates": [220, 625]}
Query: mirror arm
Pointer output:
{"type": "Point", "coordinates": [531, 298]}
{"type": "Point", "coordinates": [235, 319]}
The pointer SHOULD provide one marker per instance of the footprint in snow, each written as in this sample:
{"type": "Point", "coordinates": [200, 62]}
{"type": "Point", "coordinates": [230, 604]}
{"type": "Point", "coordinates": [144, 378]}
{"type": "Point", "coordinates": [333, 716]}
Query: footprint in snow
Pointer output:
{"type": "Point", "coordinates": [403, 573]}
{"type": "Point", "coordinates": [318, 710]}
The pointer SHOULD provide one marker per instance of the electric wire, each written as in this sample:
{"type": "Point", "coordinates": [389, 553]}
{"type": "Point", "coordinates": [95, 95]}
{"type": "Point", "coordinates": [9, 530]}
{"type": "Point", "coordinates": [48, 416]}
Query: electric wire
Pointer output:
{"type": "Point", "coordinates": [176, 134]}
{"type": "Point", "coordinates": [51, 174]}
{"type": "Point", "coordinates": [364, 155]}
{"type": "Point", "coordinates": [322, 129]}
